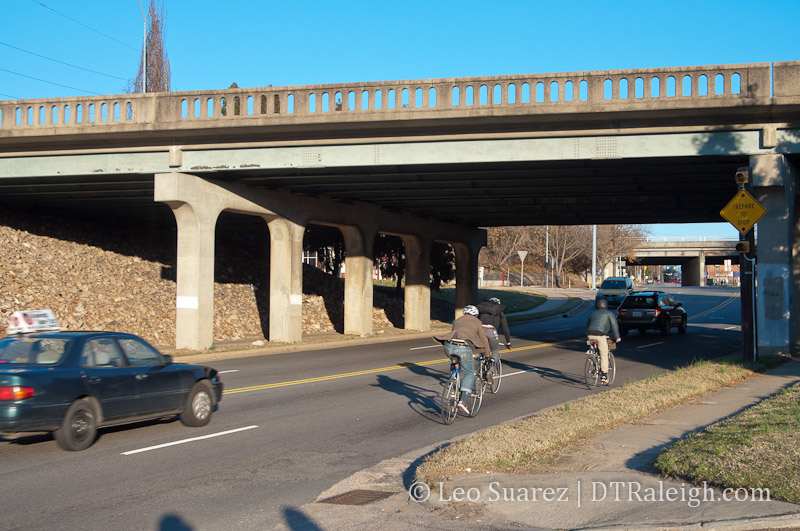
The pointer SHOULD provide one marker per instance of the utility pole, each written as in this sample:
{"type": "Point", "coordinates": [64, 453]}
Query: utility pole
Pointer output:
{"type": "Point", "coordinates": [594, 257]}
{"type": "Point", "coordinates": [546, 256]}
{"type": "Point", "coordinates": [144, 50]}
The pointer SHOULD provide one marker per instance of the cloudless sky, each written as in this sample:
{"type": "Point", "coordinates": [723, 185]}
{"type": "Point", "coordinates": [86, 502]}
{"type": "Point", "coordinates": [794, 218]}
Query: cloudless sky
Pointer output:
{"type": "Point", "coordinates": [55, 48]}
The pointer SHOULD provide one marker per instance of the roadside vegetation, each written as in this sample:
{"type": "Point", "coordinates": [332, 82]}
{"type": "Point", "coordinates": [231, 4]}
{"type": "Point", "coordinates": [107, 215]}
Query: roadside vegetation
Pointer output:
{"type": "Point", "coordinates": [757, 448]}
{"type": "Point", "coordinates": [522, 446]}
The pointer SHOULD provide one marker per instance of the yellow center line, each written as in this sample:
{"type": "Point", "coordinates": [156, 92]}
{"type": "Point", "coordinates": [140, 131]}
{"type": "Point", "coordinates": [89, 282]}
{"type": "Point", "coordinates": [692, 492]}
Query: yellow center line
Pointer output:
{"type": "Point", "coordinates": [369, 371]}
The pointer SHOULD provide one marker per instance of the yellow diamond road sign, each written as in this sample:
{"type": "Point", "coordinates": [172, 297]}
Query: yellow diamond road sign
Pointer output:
{"type": "Point", "coordinates": [743, 211]}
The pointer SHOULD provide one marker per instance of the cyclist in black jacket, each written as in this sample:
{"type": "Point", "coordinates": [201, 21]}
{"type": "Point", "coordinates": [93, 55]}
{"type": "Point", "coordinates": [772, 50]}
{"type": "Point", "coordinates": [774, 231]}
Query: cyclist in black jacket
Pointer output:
{"type": "Point", "coordinates": [492, 315]}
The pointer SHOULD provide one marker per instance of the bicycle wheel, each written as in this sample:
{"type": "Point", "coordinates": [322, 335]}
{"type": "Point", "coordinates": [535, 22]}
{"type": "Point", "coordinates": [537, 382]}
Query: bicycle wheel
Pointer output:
{"type": "Point", "coordinates": [612, 368]}
{"type": "Point", "coordinates": [591, 370]}
{"type": "Point", "coordinates": [449, 401]}
{"type": "Point", "coordinates": [476, 398]}
{"type": "Point", "coordinates": [495, 372]}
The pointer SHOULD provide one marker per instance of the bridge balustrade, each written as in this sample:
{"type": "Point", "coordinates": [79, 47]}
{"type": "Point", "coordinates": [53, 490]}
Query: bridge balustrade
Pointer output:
{"type": "Point", "coordinates": [515, 94]}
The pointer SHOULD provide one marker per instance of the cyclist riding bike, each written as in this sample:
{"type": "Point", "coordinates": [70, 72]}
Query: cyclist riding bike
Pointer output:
{"type": "Point", "coordinates": [466, 328]}
{"type": "Point", "coordinates": [601, 324]}
{"type": "Point", "coordinates": [492, 315]}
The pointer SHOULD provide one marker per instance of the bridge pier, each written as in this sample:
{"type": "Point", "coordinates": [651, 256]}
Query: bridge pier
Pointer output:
{"type": "Point", "coordinates": [693, 273]}
{"type": "Point", "coordinates": [775, 180]}
{"type": "Point", "coordinates": [197, 203]}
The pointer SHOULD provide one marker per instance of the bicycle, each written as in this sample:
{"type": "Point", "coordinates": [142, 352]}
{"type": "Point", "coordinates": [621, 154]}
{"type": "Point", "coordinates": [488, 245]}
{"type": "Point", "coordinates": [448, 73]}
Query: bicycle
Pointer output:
{"type": "Point", "coordinates": [592, 370]}
{"type": "Point", "coordinates": [449, 399]}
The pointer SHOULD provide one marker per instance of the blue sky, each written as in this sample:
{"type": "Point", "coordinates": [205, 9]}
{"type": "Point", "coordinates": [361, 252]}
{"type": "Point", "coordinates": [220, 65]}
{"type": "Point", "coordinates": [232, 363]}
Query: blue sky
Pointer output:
{"type": "Point", "coordinates": [257, 43]}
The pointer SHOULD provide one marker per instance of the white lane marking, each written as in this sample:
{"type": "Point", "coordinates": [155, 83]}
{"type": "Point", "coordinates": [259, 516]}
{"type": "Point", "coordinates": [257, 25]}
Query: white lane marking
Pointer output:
{"type": "Point", "coordinates": [429, 346]}
{"type": "Point", "coordinates": [518, 372]}
{"type": "Point", "coordinates": [730, 328]}
{"type": "Point", "coordinates": [560, 330]}
{"type": "Point", "coordinates": [651, 344]}
{"type": "Point", "coordinates": [223, 372]}
{"type": "Point", "coordinates": [184, 441]}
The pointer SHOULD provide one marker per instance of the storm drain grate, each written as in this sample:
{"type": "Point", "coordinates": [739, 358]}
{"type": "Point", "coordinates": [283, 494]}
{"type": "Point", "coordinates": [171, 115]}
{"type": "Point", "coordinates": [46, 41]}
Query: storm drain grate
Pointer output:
{"type": "Point", "coordinates": [357, 497]}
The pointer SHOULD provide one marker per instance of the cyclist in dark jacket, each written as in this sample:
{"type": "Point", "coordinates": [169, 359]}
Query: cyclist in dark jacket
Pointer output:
{"type": "Point", "coordinates": [492, 315]}
{"type": "Point", "coordinates": [601, 324]}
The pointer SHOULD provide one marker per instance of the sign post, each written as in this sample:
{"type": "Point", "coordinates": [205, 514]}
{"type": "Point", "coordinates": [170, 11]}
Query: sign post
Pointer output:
{"type": "Point", "coordinates": [522, 255]}
{"type": "Point", "coordinates": [743, 212]}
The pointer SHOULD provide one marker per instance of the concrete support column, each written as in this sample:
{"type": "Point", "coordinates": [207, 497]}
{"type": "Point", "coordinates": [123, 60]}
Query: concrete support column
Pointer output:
{"type": "Point", "coordinates": [285, 280]}
{"type": "Point", "coordinates": [418, 286]}
{"type": "Point", "coordinates": [693, 272]}
{"type": "Point", "coordinates": [466, 275]}
{"type": "Point", "coordinates": [194, 326]}
{"type": "Point", "coordinates": [358, 244]}
{"type": "Point", "coordinates": [774, 183]}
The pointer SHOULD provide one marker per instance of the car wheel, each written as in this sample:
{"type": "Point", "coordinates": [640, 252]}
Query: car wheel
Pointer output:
{"type": "Point", "coordinates": [199, 405]}
{"type": "Point", "coordinates": [682, 327]}
{"type": "Point", "coordinates": [623, 331]}
{"type": "Point", "coordinates": [665, 327]}
{"type": "Point", "coordinates": [79, 427]}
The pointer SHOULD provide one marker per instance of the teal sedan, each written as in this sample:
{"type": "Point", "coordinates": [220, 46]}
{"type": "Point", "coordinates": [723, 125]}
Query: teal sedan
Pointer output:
{"type": "Point", "coordinates": [72, 383]}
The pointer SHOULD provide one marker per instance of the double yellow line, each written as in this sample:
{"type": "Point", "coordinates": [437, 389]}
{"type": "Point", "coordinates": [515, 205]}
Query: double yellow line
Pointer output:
{"type": "Point", "coordinates": [368, 371]}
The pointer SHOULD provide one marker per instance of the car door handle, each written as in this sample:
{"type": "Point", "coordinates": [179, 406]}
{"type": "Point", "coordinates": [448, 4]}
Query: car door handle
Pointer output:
{"type": "Point", "coordinates": [141, 376]}
{"type": "Point", "coordinates": [95, 380]}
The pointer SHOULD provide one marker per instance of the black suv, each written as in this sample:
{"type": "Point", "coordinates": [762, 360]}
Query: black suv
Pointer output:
{"type": "Point", "coordinates": [651, 309]}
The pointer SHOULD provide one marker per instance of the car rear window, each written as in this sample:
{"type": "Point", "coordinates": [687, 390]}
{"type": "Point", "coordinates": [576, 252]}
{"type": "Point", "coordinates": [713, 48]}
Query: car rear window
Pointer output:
{"type": "Point", "coordinates": [32, 351]}
{"type": "Point", "coordinates": [613, 284]}
{"type": "Point", "coordinates": [638, 301]}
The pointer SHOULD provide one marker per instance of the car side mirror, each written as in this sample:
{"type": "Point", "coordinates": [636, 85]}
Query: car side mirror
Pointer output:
{"type": "Point", "coordinates": [167, 358]}
{"type": "Point", "coordinates": [679, 304]}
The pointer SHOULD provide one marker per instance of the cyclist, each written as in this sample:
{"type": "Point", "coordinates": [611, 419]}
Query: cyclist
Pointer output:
{"type": "Point", "coordinates": [466, 328]}
{"type": "Point", "coordinates": [492, 315]}
{"type": "Point", "coordinates": [602, 324]}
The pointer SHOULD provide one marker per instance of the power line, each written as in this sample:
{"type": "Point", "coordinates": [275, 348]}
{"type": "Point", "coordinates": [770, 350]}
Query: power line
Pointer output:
{"type": "Point", "coordinates": [49, 82]}
{"type": "Point", "coordinates": [10, 96]}
{"type": "Point", "coordinates": [84, 25]}
{"type": "Point", "coordinates": [63, 63]}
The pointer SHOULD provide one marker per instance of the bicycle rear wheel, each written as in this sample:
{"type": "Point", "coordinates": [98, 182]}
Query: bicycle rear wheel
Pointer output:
{"type": "Point", "coordinates": [612, 368]}
{"type": "Point", "coordinates": [476, 397]}
{"type": "Point", "coordinates": [494, 370]}
{"type": "Point", "coordinates": [591, 370]}
{"type": "Point", "coordinates": [449, 401]}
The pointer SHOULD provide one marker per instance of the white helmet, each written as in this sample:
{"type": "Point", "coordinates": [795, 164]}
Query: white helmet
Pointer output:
{"type": "Point", "coordinates": [471, 310]}
{"type": "Point", "coordinates": [495, 300]}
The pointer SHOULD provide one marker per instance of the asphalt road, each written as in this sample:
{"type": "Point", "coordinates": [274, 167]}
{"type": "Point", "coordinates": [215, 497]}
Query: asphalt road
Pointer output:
{"type": "Point", "coordinates": [291, 425]}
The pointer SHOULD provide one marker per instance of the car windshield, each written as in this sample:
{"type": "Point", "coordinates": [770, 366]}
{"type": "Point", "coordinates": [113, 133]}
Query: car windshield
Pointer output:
{"type": "Point", "coordinates": [32, 350]}
{"type": "Point", "coordinates": [636, 301]}
{"type": "Point", "coordinates": [613, 284]}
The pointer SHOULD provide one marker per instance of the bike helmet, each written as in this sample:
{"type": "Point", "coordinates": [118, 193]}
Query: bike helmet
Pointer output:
{"type": "Point", "coordinates": [495, 300]}
{"type": "Point", "coordinates": [470, 310]}
{"type": "Point", "coordinates": [601, 304]}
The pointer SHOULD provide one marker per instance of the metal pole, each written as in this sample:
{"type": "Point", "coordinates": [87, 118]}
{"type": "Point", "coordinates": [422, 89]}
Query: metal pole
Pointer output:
{"type": "Point", "coordinates": [594, 256]}
{"type": "Point", "coordinates": [546, 256]}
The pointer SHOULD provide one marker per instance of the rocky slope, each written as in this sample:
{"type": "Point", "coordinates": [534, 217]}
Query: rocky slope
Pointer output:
{"type": "Point", "coordinates": [100, 275]}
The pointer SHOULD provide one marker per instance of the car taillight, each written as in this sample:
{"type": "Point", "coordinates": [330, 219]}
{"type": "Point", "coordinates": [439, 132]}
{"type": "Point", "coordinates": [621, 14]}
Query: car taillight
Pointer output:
{"type": "Point", "coordinates": [656, 312]}
{"type": "Point", "coordinates": [15, 392]}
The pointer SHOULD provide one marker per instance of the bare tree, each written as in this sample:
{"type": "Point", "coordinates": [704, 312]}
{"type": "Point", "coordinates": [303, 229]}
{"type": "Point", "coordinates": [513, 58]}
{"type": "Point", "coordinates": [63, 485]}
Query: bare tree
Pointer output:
{"type": "Point", "coordinates": [503, 244]}
{"type": "Point", "coordinates": [158, 75]}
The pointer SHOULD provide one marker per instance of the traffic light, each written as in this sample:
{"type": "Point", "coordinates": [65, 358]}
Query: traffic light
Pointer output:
{"type": "Point", "coordinates": [743, 247]}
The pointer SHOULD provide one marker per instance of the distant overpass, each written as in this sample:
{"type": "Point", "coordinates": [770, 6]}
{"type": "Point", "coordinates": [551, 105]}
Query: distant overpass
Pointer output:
{"type": "Point", "coordinates": [691, 254]}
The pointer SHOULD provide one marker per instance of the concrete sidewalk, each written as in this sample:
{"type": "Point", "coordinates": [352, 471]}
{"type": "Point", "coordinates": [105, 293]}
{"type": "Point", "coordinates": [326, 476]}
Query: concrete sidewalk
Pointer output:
{"type": "Point", "coordinates": [596, 486]}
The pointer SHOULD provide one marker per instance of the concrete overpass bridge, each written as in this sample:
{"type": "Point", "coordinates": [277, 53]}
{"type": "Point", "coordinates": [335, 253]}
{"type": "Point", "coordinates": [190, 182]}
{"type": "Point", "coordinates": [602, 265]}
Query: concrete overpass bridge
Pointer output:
{"type": "Point", "coordinates": [427, 160]}
{"type": "Point", "coordinates": [691, 255]}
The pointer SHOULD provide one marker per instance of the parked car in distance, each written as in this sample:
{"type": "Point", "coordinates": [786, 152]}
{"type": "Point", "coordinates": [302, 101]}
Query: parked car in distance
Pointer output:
{"type": "Point", "coordinates": [614, 290]}
{"type": "Point", "coordinates": [71, 383]}
{"type": "Point", "coordinates": [644, 310]}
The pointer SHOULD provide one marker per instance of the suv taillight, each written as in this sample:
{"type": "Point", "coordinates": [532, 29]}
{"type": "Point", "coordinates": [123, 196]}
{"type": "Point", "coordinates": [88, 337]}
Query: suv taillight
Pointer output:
{"type": "Point", "coordinates": [15, 392]}
{"type": "Point", "coordinates": [656, 312]}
